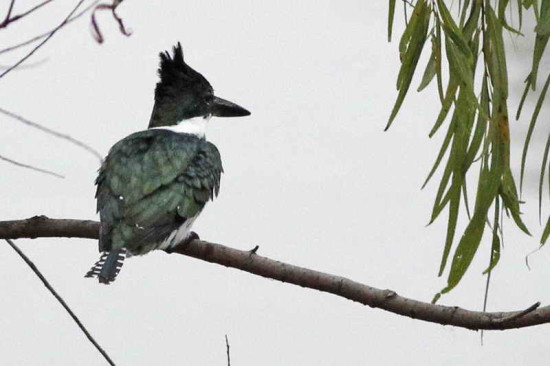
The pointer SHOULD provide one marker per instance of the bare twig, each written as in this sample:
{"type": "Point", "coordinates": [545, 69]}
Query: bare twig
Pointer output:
{"type": "Point", "coordinates": [31, 65]}
{"type": "Point", "coordinates": [61, 301]}
{"type": "Point", "coordinates": [31, 167]}
{"type": "Point", "coordinates": [513, 317]}
{"type": "Point", "coordinates": [242, 259]}
{"type": "Point", "coordinates": [98, 36]}
{"type": "Point", "coordinates": [227, 350]}
{"type": "Point", "coordinates": [9, 19]}
{"type": "Point", "coordinates": [44, 41]}
{"type": "Point", "coordinates": [53, 132]}
{"type": "Point", "coordinates": [8, 15]}
{"type": "Point", "coordinates": [43, 35]}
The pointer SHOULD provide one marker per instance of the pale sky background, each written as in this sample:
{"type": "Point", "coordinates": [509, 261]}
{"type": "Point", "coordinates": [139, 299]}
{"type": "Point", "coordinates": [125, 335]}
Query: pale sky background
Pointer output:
{"type": "Point", "coordinates": [310, 177]}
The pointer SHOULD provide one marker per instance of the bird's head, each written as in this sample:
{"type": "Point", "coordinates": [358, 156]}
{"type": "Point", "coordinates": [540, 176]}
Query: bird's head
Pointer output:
{"type": "Point", "coordinates": [183, 95]}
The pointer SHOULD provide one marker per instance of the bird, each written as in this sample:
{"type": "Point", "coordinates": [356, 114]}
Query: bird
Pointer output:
{"type": "Point", "coordinates": [154, 183]}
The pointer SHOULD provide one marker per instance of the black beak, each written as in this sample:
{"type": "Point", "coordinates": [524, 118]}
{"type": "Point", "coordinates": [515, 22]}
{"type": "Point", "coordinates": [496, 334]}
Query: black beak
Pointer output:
{"type": "Point", "coordinates": [224, 108]}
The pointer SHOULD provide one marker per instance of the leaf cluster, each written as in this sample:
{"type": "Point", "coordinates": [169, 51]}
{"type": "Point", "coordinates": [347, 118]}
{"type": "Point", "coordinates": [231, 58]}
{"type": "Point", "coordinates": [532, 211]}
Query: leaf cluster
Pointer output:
{"type": "Point", "coordinates": [467, 50]}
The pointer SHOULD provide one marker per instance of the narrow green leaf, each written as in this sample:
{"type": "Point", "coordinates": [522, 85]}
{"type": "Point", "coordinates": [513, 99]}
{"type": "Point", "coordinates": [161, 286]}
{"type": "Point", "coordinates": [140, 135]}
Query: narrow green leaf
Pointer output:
{"type": "Point", "coordinates": [531, 128]}
{"type": "Point", "coordinates": [454, 195]}
{"type": "Point", "coordinates": [541, 40]}
{"type": "Point", "coordinates": [419, 28]}
{"type": "Point", "coordinates": [481, 126]}
{"type": "Point", "coordinates": [462, 66]}
{"type": "Point", "coordinates": [465, 251]}
{"type": "Point", "coordinates": [466, 201]}
{"type": "Point", "coordinates": [442, 151]}
{"type": "Point", "coordinates": [546, 233]}
{"type": "Point", "coordinates": [510, 200]}
{"type": "Point", "coordinates": [520, 13]}
{"type": "Point", "coordinates": [502, 5]}
{"type": "Point", "coordinates": [542, 171]}
{"type": "Point", "coordinates": [543, 25]}
{"type": "Point", "coordinates": [473, 20]}
{"type": "Point", "coordinates": [523, 96]}
{"type": "Point", "coordinates": [429, 73]}
{"type": "Point", "coordinates": [451, 29]}
{"type": "Point", "coordinates": [391, 13]}
{"type": "Point", "coordinates": [499, 74]}
{"type": "Point", "coordinates": [495, 244]}
{"type": "Point", "coordinates": [442, 196]}
{"type": "Point", "coordinates": [437, 41]}
{"type": "Point", "coordinates": [463, 11]}
{"type": "Point", "coordinates": [446, 105]}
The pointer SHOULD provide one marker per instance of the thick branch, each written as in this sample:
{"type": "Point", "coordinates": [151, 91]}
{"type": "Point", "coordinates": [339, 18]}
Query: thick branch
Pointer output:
{"type": "Point", "coordinates": [41, 226]}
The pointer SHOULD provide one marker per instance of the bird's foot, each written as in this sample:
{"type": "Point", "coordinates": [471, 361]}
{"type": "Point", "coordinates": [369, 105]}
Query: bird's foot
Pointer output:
{"type": "Point", "coordinates": [254, 250]}
{"type": "Point", "coordinates": [192, 236]}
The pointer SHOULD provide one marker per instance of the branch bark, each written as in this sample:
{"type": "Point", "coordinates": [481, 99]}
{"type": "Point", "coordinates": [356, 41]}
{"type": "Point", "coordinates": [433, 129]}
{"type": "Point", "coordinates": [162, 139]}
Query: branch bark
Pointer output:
{"type": "Point", "coordinates": [248, 261]}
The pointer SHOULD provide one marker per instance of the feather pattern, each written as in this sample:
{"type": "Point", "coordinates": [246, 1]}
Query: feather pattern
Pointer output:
{"type": "Point", "coordinates": [151, 187]}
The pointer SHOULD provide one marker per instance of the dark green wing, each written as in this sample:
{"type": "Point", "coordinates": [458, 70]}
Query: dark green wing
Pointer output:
{"type": "Point", "coordinates": [150, 183]}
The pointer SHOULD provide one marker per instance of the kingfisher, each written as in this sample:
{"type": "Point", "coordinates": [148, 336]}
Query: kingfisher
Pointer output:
{"type": "Point", "coordinates": [153, 184]}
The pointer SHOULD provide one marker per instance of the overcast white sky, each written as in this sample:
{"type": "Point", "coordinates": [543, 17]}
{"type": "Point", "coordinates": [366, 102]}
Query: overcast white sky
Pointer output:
{"type": "Point", "coordinates": [310, 177]}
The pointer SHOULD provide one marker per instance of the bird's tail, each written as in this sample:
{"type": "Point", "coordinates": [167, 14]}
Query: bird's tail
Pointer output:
{"type": "Point", "coordinates": [107, 267]}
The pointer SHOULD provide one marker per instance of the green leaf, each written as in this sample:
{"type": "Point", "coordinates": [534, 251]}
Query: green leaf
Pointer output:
{"type": "Point", "coordinates": [418, 26]}
{"type": "Point", "coordinates": [542, 171]}
{"type": "Point", "coordinates": [442, 151]}
{"type": "Point", "coordinates": [430, 71]}
{"type": "Point", "coordinates": [541, 40]}
{"type": "Point", "coordinates": [546, 233]}
{"type": "Point", "coordinates": [391, 13]}
{"type": "Point", "coordinates": [465, 251]}
{"type": "Point", "coordinates": [442, 197]}
{"type": "Point", "coordinates": [532, 124]}
{"type": "Point", "coordinates": [481, 126]}
{"type": "Point", "coordinates": [461, 65]}
{"type": "Point", "coordinates": [509, 195]}
{"type": "Point", "coordinates": [473, 21]}
{"type": "Point", "coordinates": [523, 96]}
{"type": "Point", "coordinates": [497, 64]}
{"type": "Point", "coordinates": [446, 105]}
{"type": "Point", "coordinates": [452, 30]}
{"type": "Point", "coordinates": [502, 5]}
{"type": "Point", "coordinates": [495, 244]}
{"type": "Point", "coordinates": [543, 25]}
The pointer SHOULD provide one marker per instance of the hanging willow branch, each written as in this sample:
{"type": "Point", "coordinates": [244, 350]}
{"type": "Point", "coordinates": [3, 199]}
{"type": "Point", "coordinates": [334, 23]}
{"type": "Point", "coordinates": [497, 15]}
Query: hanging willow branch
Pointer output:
{"type": "Point", "coordinates": [474, 107]}
{"type": "Point", "coordinates": [249, 261]}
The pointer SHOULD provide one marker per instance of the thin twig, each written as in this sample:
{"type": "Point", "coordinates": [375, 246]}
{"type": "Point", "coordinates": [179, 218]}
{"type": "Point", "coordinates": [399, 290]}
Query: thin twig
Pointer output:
{"type": "Point", "coordinates": [521, 314]}
{"type": "Point", "coordinates": [41, 226]}
{"type": "Point", "coordinates": [52, 132]}
{"type": "Point", "coordinates": [8, 15]}
{"type": "Point", "coordinates": [98, 36]}
{"type": "Point", "coordinates": [60, 299]}
{"type": "Point", "coordinates": [227, 350]}
{"type": "Point", "coordinates": [31, 167]}
{"type": "Point", "coordinates": [34, 39]}
{"type": "Point", "coordinates": [30, 65]}
{"type": "Point", "coordinates": [10, 19]}
{"type": "Point", "coordinates": [44, 41]}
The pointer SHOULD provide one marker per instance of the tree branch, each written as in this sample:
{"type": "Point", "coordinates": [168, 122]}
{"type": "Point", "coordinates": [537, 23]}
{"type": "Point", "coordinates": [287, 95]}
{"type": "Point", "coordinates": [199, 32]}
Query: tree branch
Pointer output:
{"type": "Point", "coordinates": [61, 301]}
{"type": "Point", "coordinates": [53, 133]}
{"type": "Point", "coordinates": [24, 58]}
{"type": "Point", "coordinates": [43, 35]}
{"type": "Point", "coordinates": [27, 166]}
{"type": "Point", "coordinates": [9, 19]}
{"type": "Point", "coordinates": [41, 226]}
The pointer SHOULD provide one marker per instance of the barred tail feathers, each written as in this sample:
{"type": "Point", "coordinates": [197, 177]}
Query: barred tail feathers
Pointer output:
{"type": "Point", "coordinates": [108, 266]}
